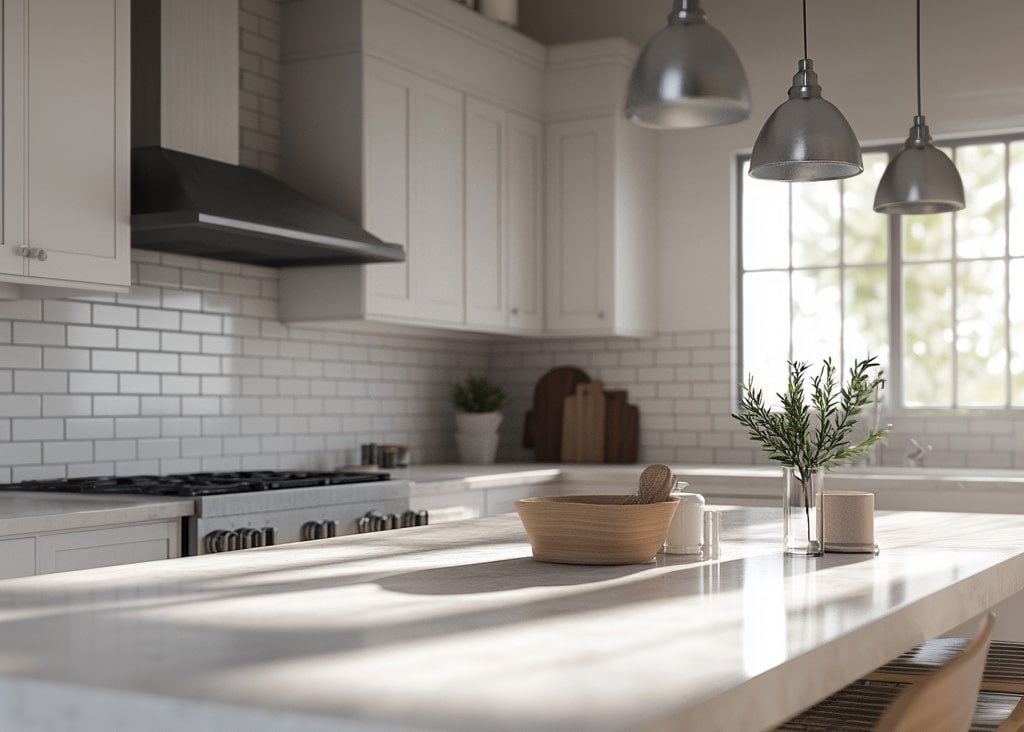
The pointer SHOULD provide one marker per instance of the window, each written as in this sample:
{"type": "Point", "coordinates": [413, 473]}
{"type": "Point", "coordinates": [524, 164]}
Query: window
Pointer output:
{"type": "Point", "coordinates": [940, 299]}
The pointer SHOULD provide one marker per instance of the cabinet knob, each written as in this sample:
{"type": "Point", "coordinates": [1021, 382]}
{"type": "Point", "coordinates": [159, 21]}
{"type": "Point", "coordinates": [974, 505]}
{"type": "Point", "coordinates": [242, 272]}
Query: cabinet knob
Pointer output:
{"type": "Point", "coordinates": [600, 314]}
{"type": "Point", "coordinates": [515, 311]}
{"type": "Point", "coordinates": [26, 251]}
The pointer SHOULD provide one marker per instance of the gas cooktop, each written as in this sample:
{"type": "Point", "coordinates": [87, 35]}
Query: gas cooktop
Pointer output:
{"type": "Point", "coordinates": [196, 484]}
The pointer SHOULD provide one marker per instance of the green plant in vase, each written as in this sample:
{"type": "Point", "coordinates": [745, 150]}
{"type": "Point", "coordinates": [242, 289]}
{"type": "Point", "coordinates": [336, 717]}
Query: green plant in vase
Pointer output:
{"type": "Point", "coordinates": [812, 433]}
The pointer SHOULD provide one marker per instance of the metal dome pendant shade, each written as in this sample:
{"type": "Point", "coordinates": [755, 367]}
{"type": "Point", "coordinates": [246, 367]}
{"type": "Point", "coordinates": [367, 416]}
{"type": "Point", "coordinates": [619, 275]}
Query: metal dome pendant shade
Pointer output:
{"type": "Point", "coordinates": [688, 75]}
{"type": "Point", "coordinates": [806, 138]}
{"type": "Point", "coordinates": [920, 179]}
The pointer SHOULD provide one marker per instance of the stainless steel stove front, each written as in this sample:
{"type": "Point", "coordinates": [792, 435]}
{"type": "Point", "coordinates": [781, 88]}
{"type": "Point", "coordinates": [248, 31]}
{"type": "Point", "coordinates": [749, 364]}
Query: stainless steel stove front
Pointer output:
{"type": "Point", "coordinates": [246, 520]}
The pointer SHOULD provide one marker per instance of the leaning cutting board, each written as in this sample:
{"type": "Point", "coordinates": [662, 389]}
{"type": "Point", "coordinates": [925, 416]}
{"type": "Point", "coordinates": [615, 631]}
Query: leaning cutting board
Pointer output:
{"type": "Point", "coordinates": [583, 424]}
{"type": "Point", "coordinates": [543, 427]}
{"type": "Point", "coordinates": [621, 428]}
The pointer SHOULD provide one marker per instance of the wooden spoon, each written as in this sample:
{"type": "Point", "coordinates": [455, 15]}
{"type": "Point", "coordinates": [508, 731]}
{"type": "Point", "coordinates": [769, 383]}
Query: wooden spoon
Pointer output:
{"type": "Point", "coordinates": [656, 483]}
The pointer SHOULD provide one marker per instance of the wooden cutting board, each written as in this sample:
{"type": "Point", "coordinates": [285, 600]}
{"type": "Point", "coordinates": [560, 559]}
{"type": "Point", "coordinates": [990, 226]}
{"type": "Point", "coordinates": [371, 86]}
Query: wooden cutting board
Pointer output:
{"type": "Point", "coordinates": [543, 428]}
{"type": "Point", "coordinates": [621, 428]}
{"type": "Point", "coordinates": [583, 424]}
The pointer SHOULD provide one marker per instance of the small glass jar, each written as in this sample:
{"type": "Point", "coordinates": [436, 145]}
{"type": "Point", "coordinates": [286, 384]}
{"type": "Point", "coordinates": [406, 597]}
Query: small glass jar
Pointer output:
{"type": "Point", "coordinates": [686, 532]}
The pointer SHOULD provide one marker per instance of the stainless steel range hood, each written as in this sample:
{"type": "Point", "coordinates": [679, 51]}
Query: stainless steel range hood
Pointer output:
{"type": "Point", "coordinates": [188, 204]}
{"type": "Point", "coordinates": [189, 196]}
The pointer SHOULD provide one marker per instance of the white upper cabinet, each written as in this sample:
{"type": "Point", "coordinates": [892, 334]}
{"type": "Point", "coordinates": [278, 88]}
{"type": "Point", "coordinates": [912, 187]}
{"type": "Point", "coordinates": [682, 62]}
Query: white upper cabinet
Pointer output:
{"type": "Point", "coordinates": [600, 221]}
{"type": "Point", "coordinates": [503, 220]}
{"type": "Point", "coordinates": [65, 206]}
{"type": "Point", "coordinates": [406, 116]}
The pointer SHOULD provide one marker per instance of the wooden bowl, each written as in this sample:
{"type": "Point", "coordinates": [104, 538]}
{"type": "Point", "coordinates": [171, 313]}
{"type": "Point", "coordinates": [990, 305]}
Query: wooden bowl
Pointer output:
{"type": "Point", "coordinates": [594, 529]}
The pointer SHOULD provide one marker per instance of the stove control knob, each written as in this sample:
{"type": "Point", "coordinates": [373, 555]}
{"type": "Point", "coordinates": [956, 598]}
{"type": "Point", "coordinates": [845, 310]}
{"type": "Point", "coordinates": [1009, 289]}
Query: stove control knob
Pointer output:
{"type": "Point", "coordinates": [309, 530]}
{"type": "Point", "coordinates": [268, 536]}
{"type": "Point", "coordinates": [331, 527]}
{"type": "Point", "coordinates": [215, 541]}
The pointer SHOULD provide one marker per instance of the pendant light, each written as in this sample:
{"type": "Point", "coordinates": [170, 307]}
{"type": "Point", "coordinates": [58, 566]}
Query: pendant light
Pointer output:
{"type": "Point", "coordinates": [688, 75]}
{"type": "Point", "coordinates": [806, 138]}
{"type": "Point", "coordinates": [920, 179]}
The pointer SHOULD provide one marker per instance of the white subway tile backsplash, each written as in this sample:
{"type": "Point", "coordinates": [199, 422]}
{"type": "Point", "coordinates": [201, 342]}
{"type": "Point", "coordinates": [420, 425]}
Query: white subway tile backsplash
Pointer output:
{"type": "Point", "coordinates": [89, 428]}
{"type": "Point", "coordinates": [162, 320]}
{"type": "Point", "coordinates": [68, 451]}
{"type": "Point", "coordinates": [161, 363]}
{"type": "Point", "coordinates": [21, 309]}
{"type": "Point", "coordinates": [115, 360]}
{"type": "Point", "coordinates": [112, 406]}
{"type": "Point", "coordinates": [21, 453]}
{"type": "Point", "coordinates": [179, 342]}
{"type": "Point", "coordinates": [91, 383]}
{"type": "Point", "coordinates": [36, 429]}
{"type": "Point", "coordinates": [91, 337]}
{"type": "Point", "coordinates": [40, 382]}
{"type": "Point", "coordinates": [21, 357]}
{"type": "Point", "coordinates": [160, 406]}
{"type": "Point", "coordinates": [118, 315]}
{"type": "Point", "coordinates": [42, 334]}
{"type": "Point", "coordinates": [138, 340]}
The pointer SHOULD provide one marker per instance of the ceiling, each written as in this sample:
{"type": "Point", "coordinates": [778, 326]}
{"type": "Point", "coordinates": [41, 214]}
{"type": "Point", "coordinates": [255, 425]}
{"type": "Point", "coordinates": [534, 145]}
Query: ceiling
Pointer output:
{"type": "Point", "coordinates": [563, 21]}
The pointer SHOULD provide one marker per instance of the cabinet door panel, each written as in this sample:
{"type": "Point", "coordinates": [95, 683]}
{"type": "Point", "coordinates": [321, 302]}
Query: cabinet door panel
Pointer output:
{"type": "Point", "coordinates": [524, 224]}
{"type": "Point", "coordinates": [436, 235]}
{"type": "Point", "coordinates": [580, 226]}
{"type": "Point", "coordinates": [76, 116]}
{"type": "Point", "coordinates": [485, 214]}
{"type": "Point", "coordinates": [386, 198]}
{"type": "Point", "coordinates": [17, 557]}
{"type": "Point", "coordinates": [107, 547]}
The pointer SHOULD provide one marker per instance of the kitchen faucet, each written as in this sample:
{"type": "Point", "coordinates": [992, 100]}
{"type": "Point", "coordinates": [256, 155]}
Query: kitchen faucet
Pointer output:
{"type": "Point", "coordinates": [917, 452]}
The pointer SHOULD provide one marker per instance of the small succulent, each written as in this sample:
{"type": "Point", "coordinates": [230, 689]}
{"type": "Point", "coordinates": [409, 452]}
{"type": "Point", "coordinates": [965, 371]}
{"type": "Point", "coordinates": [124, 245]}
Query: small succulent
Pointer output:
{"type": "Point", "coordinates": [476, 394]}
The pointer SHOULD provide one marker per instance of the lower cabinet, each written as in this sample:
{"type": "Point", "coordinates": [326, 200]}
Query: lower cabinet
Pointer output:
{"type": "Point", "coordinates": [108, 546]}
{"type": "Point", "coordinates": [474, 503]}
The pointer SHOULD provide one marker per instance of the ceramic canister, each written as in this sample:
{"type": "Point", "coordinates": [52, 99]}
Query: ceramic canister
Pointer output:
{"type": "Point", "coordinates": [849, 521]}
{"type": "Point", "coordinates": [685, 533]}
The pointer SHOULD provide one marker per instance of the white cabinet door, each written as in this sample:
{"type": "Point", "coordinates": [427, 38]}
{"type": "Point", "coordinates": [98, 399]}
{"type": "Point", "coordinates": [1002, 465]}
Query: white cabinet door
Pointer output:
{"type": "Point", "coordinates": [580, 226]}
{"type": "Point", "coordinates": [17, 557]}
{"type": "Point", "coordinates": [524, 225]}
{"type": "Point", "coordinates": [503, 220]}
{"type": "Point", "coordinates": [107, 547]}
{"type": "Point", "coordinates": [66, 146]}
{"type": "Point", "coordinates": [486, 294]}
{"type": "Point", "coordinates": [414, 194]}
{"type": "Point", "coordinates": [438, 181]}
{"type": "Point", "coordinates": [388, 119]}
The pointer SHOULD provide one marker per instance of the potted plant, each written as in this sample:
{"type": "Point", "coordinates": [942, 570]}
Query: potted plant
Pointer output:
{"type": "Point", "coordinates": [811, 436]}
{"type": "Point", "coordinates": [478, 401]}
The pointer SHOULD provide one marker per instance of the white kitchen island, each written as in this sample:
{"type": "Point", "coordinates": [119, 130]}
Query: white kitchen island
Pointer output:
{"type": "Point", "coordinates": [455, 627]}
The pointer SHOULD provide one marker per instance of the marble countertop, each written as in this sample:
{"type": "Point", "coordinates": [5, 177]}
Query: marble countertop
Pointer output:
{"type": "Point", "coordinates": [454, 627]}
{"type": "Point", "coordinates": [37, 513]}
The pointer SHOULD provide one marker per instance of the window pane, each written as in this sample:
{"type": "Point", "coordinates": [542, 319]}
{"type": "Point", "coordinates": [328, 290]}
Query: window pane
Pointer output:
{"type": "Point", "coordinates": [817, 317]}
{"type": "Point", "coordinates": [981, 227]}
{"type": "Point", "coordinates": [866, 326]}
{"type": "Point", "coordinates": [1017, 331]}
{"type": "Point", "coordinates": [766, 330]}
{"type": "Point", "coordinates": [816, 217]}
{"type": "Point", "coordinates": [1017, 198]}
{"type": "Point", "coordinates": [927, 335]}
{"type": "Point", "coordinates": [765, 223]}
{"type": "Point", "coordinates": [981, 334]}
{"type": "Point", "coordinates": [927, 237]}
{"type": "Point", "coordinates": [865, 233]}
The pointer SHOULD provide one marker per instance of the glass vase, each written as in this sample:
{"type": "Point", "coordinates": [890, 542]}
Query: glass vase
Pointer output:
{"type": "Point", "coordinates": [801, 512]}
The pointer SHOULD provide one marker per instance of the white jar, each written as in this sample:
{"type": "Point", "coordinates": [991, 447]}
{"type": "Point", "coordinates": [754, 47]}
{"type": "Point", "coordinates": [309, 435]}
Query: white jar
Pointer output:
{"type": "Point", "coordinates": [503, 11]}
{"type": "Point", "coordinates": [686, 532]}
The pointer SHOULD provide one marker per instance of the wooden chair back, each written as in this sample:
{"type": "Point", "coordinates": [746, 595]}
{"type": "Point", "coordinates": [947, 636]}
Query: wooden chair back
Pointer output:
{"type": "Point", "coordinates": [1015, 722]}
{"type": "Point", "coordinates": [943, 701]}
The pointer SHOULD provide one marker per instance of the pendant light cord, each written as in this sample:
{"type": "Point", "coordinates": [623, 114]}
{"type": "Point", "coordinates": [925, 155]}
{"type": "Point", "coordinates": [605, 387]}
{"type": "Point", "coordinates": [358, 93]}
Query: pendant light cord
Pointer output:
{"type": "Point", "coordinates": [805, 24]}
{"type": "Point", "coordinates": [918, 57]}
